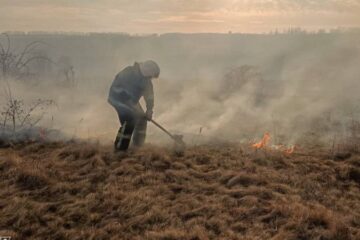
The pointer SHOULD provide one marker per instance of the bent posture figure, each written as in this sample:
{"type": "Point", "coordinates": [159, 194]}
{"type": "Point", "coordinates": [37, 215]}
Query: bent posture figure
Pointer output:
{"type": "Point", "coordinates": [128, 87]}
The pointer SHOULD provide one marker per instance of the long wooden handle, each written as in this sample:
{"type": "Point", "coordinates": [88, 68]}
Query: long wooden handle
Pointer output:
{"type": "Point", "coordinates": [162, 128]}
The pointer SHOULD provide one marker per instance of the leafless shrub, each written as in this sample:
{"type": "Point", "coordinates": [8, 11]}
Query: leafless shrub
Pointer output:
{"type": "Point", "coordinates": [349, 141]}
{"type": "Point", "coordinates": [15, 64]}
{"type": "Point", "coordinates": [16, 114]}
{"type": "Point", "coordinates": [66, 71]}
{"type": "Point", "coordinates": [354, 136]}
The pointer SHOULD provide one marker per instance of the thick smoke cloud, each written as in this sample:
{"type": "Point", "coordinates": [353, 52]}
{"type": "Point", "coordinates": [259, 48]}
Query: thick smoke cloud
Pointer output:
{"type": "Point", "coordinates": [218, 87]}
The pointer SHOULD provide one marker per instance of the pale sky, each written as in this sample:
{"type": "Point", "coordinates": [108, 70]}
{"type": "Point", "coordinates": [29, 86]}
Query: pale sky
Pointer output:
{"type": "Point", "coordinates": [159, 16]}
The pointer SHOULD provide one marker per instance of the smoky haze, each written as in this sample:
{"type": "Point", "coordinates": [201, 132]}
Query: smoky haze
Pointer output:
{"type": "Point", "coordinates": [212, 86]}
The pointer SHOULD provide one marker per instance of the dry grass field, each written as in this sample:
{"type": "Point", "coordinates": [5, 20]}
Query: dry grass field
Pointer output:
{"type": "Point", "coordinates": [80, 190]}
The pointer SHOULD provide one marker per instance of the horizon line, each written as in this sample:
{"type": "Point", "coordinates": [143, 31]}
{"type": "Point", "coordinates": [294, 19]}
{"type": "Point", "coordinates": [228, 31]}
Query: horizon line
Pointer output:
{"type": "Point", "coordinates": [274, 31]}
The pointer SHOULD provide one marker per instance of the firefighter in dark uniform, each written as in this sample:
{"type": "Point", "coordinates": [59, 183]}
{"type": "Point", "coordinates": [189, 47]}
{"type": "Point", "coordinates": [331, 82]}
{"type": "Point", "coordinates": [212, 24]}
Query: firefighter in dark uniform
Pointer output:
{"type": "Point", "coordinates": [128, 87]}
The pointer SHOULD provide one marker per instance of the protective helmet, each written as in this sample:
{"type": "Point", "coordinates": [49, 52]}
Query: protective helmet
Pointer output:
{"type": "Point", "coordinates": [149, 69]}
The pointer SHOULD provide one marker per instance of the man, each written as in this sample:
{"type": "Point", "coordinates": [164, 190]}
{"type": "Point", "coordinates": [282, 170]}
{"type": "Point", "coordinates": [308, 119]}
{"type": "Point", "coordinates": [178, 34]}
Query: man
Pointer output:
{"type": "Point", "coordinates": [128, 87]}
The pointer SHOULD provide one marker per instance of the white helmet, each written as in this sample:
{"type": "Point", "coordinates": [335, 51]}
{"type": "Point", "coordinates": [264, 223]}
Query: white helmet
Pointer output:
{"type": "Point", "coordinates": [149, 69]}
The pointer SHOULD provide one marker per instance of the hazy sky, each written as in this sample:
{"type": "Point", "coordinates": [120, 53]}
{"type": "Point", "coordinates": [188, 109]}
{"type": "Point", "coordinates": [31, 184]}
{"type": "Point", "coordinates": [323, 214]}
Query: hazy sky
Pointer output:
{"type": "Point", "coordinates": [158, 16]}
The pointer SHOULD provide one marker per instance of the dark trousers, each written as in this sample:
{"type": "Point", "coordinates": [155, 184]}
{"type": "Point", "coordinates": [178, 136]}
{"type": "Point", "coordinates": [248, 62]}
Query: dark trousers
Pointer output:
{"type": "Point", "coordinates": [133, 127]}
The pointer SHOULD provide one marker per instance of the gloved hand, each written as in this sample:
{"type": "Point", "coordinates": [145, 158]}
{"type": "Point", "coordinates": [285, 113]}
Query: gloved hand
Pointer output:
{"type": "Point", "coordinates": [149, 114]}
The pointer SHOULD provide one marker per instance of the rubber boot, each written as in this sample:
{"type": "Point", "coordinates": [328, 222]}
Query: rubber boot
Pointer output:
{"type": "Point", "coordinates": [140, 132]}
{"type": "Point", "coordinates": [123, 138]}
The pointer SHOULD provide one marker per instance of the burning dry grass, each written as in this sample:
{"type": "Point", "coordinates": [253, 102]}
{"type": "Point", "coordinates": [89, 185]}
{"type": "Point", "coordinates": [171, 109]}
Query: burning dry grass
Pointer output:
{"type": "Point", "coordinates": [84, 191]}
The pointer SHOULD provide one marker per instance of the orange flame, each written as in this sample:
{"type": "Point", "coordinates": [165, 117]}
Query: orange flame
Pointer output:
{"type": "Point", "coordinates": [288, 150]}
{"type": "Point", "coordinates": [263, 142]}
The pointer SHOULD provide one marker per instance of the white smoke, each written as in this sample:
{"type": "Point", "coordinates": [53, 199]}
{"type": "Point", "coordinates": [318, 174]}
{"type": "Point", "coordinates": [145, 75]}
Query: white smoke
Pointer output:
{"type": "Point", "coordinates": [288, 85]}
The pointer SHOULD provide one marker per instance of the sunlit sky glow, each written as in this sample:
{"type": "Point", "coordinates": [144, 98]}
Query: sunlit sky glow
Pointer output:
{"type": "Point", "coordinates": [159, 16]}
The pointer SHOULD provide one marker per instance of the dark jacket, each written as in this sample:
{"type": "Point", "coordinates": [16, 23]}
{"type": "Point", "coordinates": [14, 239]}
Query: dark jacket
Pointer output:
{"type": "Point", "coordinates": [128, 87]}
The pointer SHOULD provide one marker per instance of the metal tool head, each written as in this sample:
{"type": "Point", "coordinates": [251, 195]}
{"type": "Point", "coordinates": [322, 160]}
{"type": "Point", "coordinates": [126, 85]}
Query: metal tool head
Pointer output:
{"type": "Point", "coordinates": [180, 145]}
